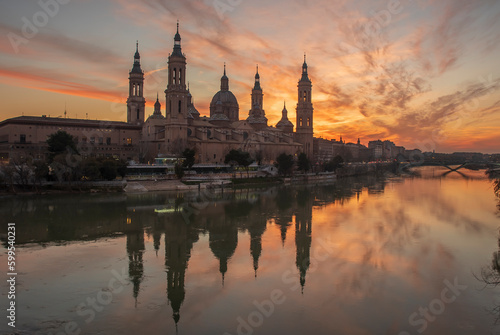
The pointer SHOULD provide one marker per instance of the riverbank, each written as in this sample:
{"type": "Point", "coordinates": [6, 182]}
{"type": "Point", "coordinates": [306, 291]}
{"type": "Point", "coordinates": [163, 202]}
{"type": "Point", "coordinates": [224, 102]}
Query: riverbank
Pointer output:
{"type": "Point", "coordinates": [134, 184]}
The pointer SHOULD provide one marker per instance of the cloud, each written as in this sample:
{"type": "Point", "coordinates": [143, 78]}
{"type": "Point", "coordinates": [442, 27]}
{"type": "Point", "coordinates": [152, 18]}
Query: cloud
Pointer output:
{"type": "Point", "coordinates": [50, 44]}
{"type": "Point", "coordinates": [56, 82]}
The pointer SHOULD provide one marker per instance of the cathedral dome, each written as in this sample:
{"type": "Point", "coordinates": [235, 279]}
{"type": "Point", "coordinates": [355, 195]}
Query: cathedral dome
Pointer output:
{"type": "Point", "coordinates": [224, 101]}
{"type": "Point", "coordinates": [226, 97]}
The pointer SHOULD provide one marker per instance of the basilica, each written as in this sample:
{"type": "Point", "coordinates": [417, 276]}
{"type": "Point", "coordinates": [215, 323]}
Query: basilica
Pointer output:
{"type": "Point", "coordinates": [174, 128]}
{"type": "Point", "coordinates": [169, 132]}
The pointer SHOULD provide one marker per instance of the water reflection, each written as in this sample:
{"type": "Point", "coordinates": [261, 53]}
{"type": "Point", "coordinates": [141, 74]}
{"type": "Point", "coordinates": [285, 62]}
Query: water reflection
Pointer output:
{"type": "Point", "coordinates": [380, 228]}
{"type": "Point", "coordinates": [490, 274]}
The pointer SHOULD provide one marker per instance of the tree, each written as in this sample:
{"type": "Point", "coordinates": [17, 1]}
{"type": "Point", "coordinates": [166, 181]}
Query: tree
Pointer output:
{"type": "Point", "coordinates": [240, 158]}
{"type": "Point", "coordinates": [8, 172]}
{"type": "Point", "coordinates": [108, 169]}
{"type": "Point", "coordinates": [60, 169]}
{"type": "Point", "coordinates": [232, 157]}
{"type": "Point", "coordinates": [91, 169]}
{"type": "Point", "coordinates": [22, 170]}
{"type": "Point", "coordinates": [245, 160]}
{"type": "Point", "coordinates": [59, 143]}
{"type": "Point", "coordinates": [303, 162]}
{"type": "Point", "coordinates": [121, 168]}
{"type": "Point", "coordinates": [189, 158]}
{"type": "Point", "coordinates": [284, 163]}
{"type": "Point", "coordinates": [333, 164]}
{"type": "Point", "coordinates": [40, 171]}
{"type": "Point", "coordinates": [179, 171]}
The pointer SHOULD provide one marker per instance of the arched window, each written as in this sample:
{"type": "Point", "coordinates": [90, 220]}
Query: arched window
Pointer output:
{"type": "Point", "coordinates": [300, 122]}
{"type": "Point", "coordinates": [305, 96]}
{"type": "Point", "coordinates": [180, 76]}
{"type": "Point", "coordinates": [308, 121]}
{"type": "Point", "coordinates": [174, 76]}
{"type": "Point", "coordinates": [180, 103]}
{"type": "Point", "coordinates": [138, 113]}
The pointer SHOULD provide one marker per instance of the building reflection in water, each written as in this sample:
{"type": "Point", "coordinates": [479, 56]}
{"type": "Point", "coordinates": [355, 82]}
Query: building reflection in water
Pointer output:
{"type": "Point", "coordinates": [303, 231]}
{"type": "Point", "coordinates": [135, 250]}
{"type": "Point", "coordinates": [223, 217]}
{"type": "Point", "coordinates": [179, 240]}
{"type": "Point", "coordinates": [223, 240]}
{"type": "Point", "coordinates": [284, 216]}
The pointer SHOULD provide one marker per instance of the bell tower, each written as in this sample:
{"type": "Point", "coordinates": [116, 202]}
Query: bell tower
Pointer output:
{"type": "Point", "coordinates": [257, 115]}
{"type": "Point", "coordinates": [136, 103]}
{"type": "Point", "coordinates": [177, 100]}
{"type": "Point", "coordinates": [304, 132]}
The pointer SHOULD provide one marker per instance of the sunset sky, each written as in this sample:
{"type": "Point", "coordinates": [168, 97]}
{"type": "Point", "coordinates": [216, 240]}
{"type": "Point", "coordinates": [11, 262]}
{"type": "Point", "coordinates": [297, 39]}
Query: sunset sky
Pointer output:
{"type": "Point", "coordinates": [424, 74]}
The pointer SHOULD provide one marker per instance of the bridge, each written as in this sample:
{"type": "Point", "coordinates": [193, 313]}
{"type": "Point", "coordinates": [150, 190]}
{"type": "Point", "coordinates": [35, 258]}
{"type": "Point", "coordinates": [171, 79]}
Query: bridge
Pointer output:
{"type": "Point", "coordinates": [453, 166]}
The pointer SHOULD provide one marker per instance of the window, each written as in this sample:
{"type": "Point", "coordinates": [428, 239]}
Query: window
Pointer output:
{"type": "Point", "coordinates": [101, 140]}
{"type": "Point", "coordinates": [180, 103]}
{"type": "Point", "coordinates": [22, 138]}
{"type": "Point", "coordinates": [180, 76]}
{"type": "Point", "coordinates": [92, 140]}
{"type": "Point", "coordinates": [300, 122]}
{"type": "Point", "coordinates": [108, 140]}
{"type": "Point", "coordinates": [308, 122]}
{"type": "Point", "coordinates": [174, 76]}
{"type": "Point", "coordinates": [305, 96]}
{"type": "Point", "coordinates": [138, 112]}
{"type": "Point", "coordinates": [129, 141]}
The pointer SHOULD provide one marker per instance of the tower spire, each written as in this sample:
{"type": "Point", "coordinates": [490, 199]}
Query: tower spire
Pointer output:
{"type": "Point", "coordinates": [224, 81]}
{"type": "Point", "coordinates": [305, 76]}
{"type": "Point", "coordinates": [257, 80]}
{"type": "Point", "coordinates": [177, 43]}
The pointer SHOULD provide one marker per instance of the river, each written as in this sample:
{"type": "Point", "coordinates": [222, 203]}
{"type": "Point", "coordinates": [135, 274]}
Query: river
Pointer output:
{"type": "Point", "coordinates": [368, 255]}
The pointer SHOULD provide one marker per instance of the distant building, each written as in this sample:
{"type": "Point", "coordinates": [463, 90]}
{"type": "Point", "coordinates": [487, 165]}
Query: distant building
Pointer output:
{"type": "Point", "coordinates": [377, 148]}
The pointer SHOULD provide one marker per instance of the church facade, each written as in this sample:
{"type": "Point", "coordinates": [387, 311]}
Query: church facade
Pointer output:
{"type": "Point", "coordinates": [213, 137]}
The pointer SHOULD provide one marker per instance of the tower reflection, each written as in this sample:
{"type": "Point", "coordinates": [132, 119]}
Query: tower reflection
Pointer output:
{"type": "Point", "coordinates": [303, 231]}
{"type": "Point", "coordinates": [179, 240]}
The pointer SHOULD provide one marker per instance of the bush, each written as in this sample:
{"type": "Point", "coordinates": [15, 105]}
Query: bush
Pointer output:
{"type": "Point", "coordinates": [109, 169]}
{"type": "Point", "coordinates": [91, 170]}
